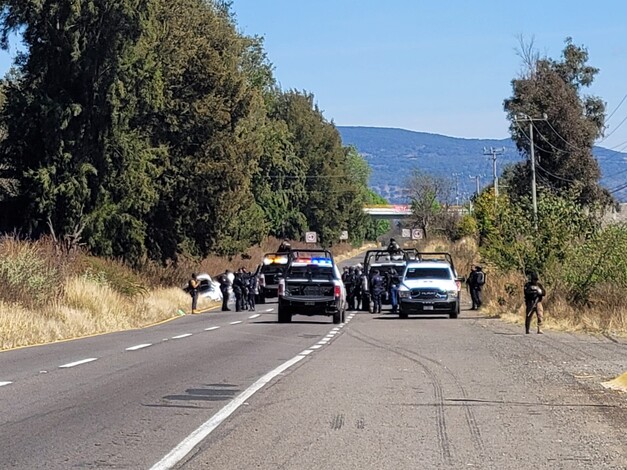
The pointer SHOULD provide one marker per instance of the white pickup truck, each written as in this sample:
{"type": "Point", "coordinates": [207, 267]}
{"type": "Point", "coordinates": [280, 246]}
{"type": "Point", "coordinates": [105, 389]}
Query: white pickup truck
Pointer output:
{"type": "Point", "coordinates": [429, 287]}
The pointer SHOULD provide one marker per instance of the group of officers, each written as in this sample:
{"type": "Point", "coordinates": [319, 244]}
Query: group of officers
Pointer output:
{"type": "Point", "coordinates": [372, 288]}
{"type": "Point", "coordinates": [244, 286]}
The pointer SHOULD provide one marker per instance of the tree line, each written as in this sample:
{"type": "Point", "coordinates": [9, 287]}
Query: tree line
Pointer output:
{"type": "Point", "coordinates": [152, 128]}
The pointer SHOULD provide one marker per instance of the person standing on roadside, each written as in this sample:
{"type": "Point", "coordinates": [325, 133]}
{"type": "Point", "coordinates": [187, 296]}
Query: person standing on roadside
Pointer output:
{"type": "Point", "coordinates": [377, 285]}
{"type": "Point", "coordinates": [238, 290]}
{"type": "Point", "coordinates": [534, 293]}
{"type": "Point", "coordinates": [395, 283]}
{"type": "Point", "coordinates": [192, 287]}
{"type": "Point", "coordinates": [476, 281]}
{"type": "Point", "coordinates": [225, 289]}
{"type": "Point", "coordinates": [252, 291]}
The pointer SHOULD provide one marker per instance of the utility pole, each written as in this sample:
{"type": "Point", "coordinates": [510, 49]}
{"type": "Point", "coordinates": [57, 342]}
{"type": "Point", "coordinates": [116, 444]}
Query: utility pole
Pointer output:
{"type": "Point", "coordinates": [456, 176]}
{"type": "Point", "coordinates": [477, 183]}
{"type": "Point", "coordinates": [494, 152]}
{"type": "Point", "coordinates": [534, 199]}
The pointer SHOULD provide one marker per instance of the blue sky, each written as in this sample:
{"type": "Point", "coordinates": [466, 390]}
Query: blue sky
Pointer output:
{"type": "Point", "coordinates": [440, 66]}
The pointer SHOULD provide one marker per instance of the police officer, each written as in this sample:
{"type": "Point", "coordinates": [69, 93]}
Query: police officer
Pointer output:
{"type": "Point", "coordinates": [284, 247]}
{"type": "Point", "coordinates": [252, 291]}
{"type": "Point", "coordinates": [534, 293]}
{"type": "Point", "coordinates": [238, 290]}
{"type": "Point", "coordinates": [192, 287]}
{"type": "Point", "coordinates": [394, 248]}
{"type": "Point", "coordinates": [395, 282]}
{"type": "Point", "coordinates": [357, 288]}
{"type": "Point", "coordinates": [377, 288]}
{"type": "Point", "coordinates": [349, 284]}
{"type": "Point", "coordinates": [476, 281]}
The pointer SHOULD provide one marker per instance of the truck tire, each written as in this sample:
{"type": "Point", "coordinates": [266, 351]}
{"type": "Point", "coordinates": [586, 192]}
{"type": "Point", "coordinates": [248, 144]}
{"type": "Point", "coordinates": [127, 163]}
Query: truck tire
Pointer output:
{"type": "Point", "coordinates": [285, 316]}
{"type": "Point", "coordinates": [337, 317]}
{"type": "Point", "coordinates": [403, 315]}
{"type": "Point", "coordinates": [261, 299]}
{"type": "Point", "coordinates": [455, 314]}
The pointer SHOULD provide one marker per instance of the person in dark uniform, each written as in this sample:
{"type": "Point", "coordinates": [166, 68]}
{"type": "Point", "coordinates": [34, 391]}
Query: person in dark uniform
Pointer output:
{"type": "Point", "coordinates": [476, 281]}
{"type": "Point", "coordinates": [349, 284]}
{"type": "Point", "coordinates": [225, 288]}
{"type": "Point", "coordinates": [357, 289]}
{"type": "Point", "coordinates": [284, 247]}
{"type": "Point", "coordinates": [252, 291]}
{"type": "Point", "coordinates": [238, 290]}
{"type": "Point", "coordinates": [394, 248]}
{"type": "Point", "coordinates": [395, 283]}
{"type": "Point", "coordinates": [534, 293]}
{"type": "Point", "coordinates": [192, 287]}
{"type": "Point", "coordinates": [377, 287]}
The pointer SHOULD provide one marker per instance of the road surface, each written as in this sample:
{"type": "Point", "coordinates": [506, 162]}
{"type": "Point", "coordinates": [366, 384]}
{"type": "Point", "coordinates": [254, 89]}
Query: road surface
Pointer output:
{"type": "Point", "coordinates": [377, 393]}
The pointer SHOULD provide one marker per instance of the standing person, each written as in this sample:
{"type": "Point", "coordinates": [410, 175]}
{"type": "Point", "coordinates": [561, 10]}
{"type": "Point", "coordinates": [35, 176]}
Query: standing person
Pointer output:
{"type": "Point", "coordinates": [394, 248]}
{"type": "Point", "coordinates": [192, 287]}
{"type": "Point", "coordinates": [357, 288]}
{"type": "Point", "coordinates": [349, 284]}
{"type": "Point", "coordinates": [238, 290]}
{"type": "Point", "coordinates": [377, 285]}
{"type": "Point", "coordinates": [252, 291]}
{"type": "Point", "coordinates": [225, 289]}
{"type": "Point", "coordinates": [395, 283]}
{"type": "Point", "coordinates": [476, 281]}
{"type": "Point", "coordinates": [534, 293]}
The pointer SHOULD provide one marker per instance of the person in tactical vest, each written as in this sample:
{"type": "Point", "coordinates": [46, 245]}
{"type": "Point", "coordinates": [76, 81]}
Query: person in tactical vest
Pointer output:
{"type": "Point", "coordinates": [377, 288]}
{"type": "Point", "coordinates": [192, 287]}
{"type": "Point", "coordinates": [252, 291]}
{"type": "Point", "coordinates": [238, 290]}
{"type": "Point", "coordinates": [225, 289]}
{"type": "Point", "coordinates": [534, 293]}
{"type": "Point", "coordinates": [476, 281]}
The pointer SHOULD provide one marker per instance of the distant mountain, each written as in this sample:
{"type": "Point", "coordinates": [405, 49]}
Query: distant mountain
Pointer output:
{"type": "Point", "coordinates": [394, 153]}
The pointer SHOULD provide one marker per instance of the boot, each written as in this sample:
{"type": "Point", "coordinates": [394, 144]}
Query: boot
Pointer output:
{"type": "Point", "coordinates": [540, 331]}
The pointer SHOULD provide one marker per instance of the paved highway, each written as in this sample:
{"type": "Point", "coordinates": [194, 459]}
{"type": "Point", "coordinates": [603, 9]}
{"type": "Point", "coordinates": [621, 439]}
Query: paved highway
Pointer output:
{"type": "Point", "coordinates": [238, 390]}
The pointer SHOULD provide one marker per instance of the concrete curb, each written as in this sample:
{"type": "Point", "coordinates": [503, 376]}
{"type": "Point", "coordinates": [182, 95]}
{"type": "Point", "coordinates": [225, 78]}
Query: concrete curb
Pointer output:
{"type": "Point", "coordinates": [619, 383]}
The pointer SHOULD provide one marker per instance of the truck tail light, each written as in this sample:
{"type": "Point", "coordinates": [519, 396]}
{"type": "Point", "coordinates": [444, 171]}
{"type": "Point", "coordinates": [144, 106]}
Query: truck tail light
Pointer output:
{"type": "Point", "coordinates": [282, 287]}
{"type": "Point", "coordinates": [337, 291]}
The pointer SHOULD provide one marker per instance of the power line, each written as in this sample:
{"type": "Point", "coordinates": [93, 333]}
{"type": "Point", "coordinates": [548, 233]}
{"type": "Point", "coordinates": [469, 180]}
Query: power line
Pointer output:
{"type": "Point", "coordinates": [553, 175]}
{"type": "Point", "coordinates": [616, 108]}
{"type": "Point", "coordinates": [615, 129]}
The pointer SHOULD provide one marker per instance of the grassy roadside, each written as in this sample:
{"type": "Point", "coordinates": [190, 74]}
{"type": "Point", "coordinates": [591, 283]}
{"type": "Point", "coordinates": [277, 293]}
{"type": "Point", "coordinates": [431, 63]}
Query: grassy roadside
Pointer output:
{"type": "Point", "coordinates": [606, 314]}
{"type": "Point", "coordinates": [48, 296]}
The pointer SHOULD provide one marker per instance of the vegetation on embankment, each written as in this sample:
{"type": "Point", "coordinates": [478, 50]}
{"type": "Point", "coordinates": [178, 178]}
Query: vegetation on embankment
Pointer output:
{"type": "Point", "coordinates": [47, 294]}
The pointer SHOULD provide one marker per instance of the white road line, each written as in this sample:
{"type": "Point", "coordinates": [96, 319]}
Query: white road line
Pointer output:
{"type": "Point", "coordinates": [182, 336]}
{"type": "Point", "coordinates": [257, 315]}
{"type": "Point", "coordinates": [78, 363]}
{"type": "Point", "coordinates": [196, 437]}
{"type": "Point", "coordinates": [316, 346]}
{"type": "Point", "coordinates": [212, 328]}
{"type": "Point", "coordinates": [335, 329]}
{"type": "Point", "coordinates": [269, 310]}
{"type": "Point", "coordinates": [139, 346]}
{"type": "Point", "coordinates": [235, 322]}
{"type": "Point", "coordinates": [2, 384]}
{"type": "Point", "coordinates": [306, 352]}
{"type": "Point", "coordinates": [324, 341]}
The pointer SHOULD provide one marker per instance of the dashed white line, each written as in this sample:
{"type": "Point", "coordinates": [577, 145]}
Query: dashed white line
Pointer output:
{"type": "Point", "coordinates": [139, 346]}
{"type": "Point", "coordinates": [2, 384]}
{"type": "Point", "coordinates": [306, 352]}
{"type": "Point", "coordinates": [78, 363]}
{"type": "Point", "coordinates": [212, 328]}
{"type": "Point", "coordinates": [335, 330]}
{"type": "Point", "coordinates": [257, 315]}
{"type": "Point", "coordinates": [196, 437]}
{"type": "Point", "coordinates": [235, 322]}
{"type": "Point", "coordinates": [316, 346]}
{"type": "Point", "coordinates": [181, 336]}
{"type": "Point", "coordinates": [269, 310]}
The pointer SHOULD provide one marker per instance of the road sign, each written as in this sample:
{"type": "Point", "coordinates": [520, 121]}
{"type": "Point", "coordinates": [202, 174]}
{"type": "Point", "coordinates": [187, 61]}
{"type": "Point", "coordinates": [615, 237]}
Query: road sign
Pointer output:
{"type": "Point", "coordinates": [311, 237]}
{"type": "Point", "coordinates": [344, 235]}
{"type": "Point", "coordinates": [406, 233]}
{"type": "Point", "coordinates": [416, 234]}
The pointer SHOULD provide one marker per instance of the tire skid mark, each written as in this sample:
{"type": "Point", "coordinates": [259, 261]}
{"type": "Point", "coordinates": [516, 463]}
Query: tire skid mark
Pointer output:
{"type": "Point", "coordinates": [337, 422]}
{"type": "Point", "coordinates": [443, 440]}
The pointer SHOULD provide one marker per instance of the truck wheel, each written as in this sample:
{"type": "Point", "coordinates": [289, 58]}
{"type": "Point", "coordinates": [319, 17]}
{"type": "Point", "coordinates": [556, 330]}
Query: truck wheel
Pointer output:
{"type": "Point", "coordinates": [455, 314]}
{"type": "Point", "coordinates": [261, 299]}
{"type": "Point", "coordinates": [285, 316]}
{"type": "Point", "coordinates": [337, 317]}
{"type": "Point", "coordinates": [403, 315]}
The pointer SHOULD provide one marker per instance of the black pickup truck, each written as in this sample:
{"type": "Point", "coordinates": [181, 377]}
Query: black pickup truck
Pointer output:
{"type": "Point", "coordinates": [311, 285]}
{"type": "Point", "coordinates": [268, 274]}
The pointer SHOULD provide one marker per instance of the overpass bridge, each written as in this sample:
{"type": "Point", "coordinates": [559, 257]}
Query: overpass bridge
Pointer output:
{"type": "Point", "coordinates": [388, 211]}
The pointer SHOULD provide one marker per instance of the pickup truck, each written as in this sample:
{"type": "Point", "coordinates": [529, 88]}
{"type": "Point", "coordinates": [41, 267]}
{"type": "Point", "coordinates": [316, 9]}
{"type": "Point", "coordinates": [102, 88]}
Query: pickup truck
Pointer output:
{"type": "Point", "coordinates": [311, 285]}
{"type": "Point", "coordinates": [268, 274]}
{"type": "Point", "coordinates": [430, 287]}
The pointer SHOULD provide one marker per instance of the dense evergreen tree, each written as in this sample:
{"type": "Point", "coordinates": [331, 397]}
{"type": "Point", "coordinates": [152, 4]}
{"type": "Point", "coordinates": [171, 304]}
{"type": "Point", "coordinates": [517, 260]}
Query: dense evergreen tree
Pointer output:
{"type": "Point", "coordinates": [563, 142]}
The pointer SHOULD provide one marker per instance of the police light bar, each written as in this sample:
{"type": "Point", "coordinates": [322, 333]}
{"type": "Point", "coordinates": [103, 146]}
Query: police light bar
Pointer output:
{"type": "Point", "coordinates": [324, 262]}
{"type": "Point", "coordinates": [275, 260]}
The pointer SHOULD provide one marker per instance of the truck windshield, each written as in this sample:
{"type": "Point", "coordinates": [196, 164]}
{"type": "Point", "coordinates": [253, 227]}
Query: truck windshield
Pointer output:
{"type": "Point", "coordinates": [311, 271]}
{"type": "Point", "coordinates": [428, 273]}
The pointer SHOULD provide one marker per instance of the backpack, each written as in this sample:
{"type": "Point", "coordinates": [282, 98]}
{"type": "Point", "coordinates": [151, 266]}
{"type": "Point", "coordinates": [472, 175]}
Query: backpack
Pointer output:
{"type": "Point", "coordinates": [480, 278]}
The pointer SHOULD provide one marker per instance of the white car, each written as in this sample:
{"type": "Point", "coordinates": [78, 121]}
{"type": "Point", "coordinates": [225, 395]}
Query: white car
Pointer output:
{"type": "Point", "coordinates": [208, 287]}
{"type": "Point", "coordinates": [429, 287]}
